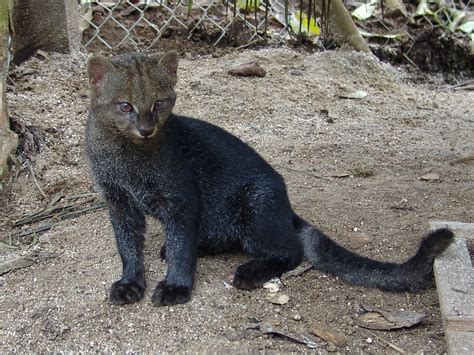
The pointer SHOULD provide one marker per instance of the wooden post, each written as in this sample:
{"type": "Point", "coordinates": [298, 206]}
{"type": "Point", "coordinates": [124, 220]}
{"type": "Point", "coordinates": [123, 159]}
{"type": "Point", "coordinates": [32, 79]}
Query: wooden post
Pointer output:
{"type": "Point", "coordinates": [8, 140]}
{"type": "Point", "coordinates": [51, 25]}
{"type": "Point", "coordinates": [454, 273]}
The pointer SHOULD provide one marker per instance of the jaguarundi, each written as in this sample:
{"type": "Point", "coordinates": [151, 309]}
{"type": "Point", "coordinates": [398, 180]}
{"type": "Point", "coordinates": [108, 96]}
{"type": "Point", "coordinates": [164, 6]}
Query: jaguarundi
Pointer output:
{"type": "Point", "coordinates": [212, 193]}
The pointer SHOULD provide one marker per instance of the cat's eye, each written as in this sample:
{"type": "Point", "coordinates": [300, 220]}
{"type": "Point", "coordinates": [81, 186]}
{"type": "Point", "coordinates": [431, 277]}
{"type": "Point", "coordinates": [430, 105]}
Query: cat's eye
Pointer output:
{"type": "Point", "coordinates": [125, 107]}
{"type": "Point", "coordinates": [159, 105]}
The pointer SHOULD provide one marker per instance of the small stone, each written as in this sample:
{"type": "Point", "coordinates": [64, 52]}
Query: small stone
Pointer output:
{"type": "Point", "coordinates": [278, 298]}
{"type": "Point", "coordinates": [358, 240]}
{"type": "Point", "coordinates": [296, 317]}
{"type": "Point", "coordinates": [274, 285]}
{"type": "Point", "coordinates": [331, 348]}
{"type": "Point", "coordinates": [248, 69]}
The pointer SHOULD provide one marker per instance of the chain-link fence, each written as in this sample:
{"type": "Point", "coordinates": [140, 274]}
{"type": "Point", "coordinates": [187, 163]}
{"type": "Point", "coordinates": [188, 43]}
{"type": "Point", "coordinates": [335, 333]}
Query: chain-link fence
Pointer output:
{"type": "Point", "coordinates": [141, 23]}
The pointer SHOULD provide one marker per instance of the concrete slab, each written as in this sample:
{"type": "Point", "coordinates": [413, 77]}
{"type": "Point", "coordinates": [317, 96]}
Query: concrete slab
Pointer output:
{"type": "Point", "coordinates": [454, 274]}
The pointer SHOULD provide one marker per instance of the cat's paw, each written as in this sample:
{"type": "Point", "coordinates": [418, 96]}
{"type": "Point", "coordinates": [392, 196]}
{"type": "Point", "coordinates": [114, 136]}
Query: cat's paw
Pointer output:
{"type": "Point", "coordinates": [245, 278]}
{"type": "Point", "coordinates": [126, 292]}
{"type": "Point", "coordinates": [167, 294]}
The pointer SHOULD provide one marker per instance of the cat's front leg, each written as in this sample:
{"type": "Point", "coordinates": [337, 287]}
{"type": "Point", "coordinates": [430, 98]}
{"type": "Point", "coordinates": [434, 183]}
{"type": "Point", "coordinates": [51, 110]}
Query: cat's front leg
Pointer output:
{"type": "Point", "coordinates": [181, 258]}
{"type": "Point", "coordinates": [129, 226]}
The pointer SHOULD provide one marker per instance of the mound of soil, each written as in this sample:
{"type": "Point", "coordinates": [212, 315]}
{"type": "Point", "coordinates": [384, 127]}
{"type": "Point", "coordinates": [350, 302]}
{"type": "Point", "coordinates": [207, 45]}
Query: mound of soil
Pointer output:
{"type": "Point", "coordinates": [432, 51]}
{"type": "Point", "coordinates": [382, 165]}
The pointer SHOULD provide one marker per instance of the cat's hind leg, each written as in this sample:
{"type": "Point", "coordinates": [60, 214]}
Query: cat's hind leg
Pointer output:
{"type": "Point", "coordinates": [269, 237]}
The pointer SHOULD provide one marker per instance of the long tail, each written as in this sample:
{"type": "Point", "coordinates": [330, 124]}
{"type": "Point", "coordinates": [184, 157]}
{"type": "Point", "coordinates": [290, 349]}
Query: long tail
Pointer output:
{"type": "Point", "coordinates": [413, 275]}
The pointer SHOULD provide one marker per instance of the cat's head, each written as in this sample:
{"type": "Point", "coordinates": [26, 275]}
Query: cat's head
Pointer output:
{"type": "Point", "coordinates": [133, 94]}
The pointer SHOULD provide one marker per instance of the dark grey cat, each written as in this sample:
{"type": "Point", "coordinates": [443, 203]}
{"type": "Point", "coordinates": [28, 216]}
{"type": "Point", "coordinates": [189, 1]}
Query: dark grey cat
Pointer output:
{"type": "Point", "coordinates": [212, 192]}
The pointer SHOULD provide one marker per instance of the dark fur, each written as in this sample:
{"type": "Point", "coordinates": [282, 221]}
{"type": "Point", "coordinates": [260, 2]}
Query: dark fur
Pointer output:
{"type": "Point", "coordinates": [212, 192]}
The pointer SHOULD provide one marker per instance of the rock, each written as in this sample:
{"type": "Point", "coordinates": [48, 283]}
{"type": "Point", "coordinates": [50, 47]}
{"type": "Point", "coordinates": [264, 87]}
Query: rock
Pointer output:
{"type": "Point", "coordinates": [358, 240]}
{"type": "Point", "coordinates": [274, 285]}
{"type": "Point", "coordinates": [278, 298]}
{"type": "Point", "coordinates": [248, 69]}
{"type": "Point", "coordinates": [296, 317]}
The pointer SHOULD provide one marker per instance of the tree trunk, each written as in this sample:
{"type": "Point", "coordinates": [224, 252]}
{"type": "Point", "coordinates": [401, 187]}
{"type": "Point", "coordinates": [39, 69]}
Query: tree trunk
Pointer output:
{"type": "Point", "coordinates": [8, 139]}
{"type": "Point", "coordinates": [342, 25]}
{"type": "Point", "coordinates": [50, 25]}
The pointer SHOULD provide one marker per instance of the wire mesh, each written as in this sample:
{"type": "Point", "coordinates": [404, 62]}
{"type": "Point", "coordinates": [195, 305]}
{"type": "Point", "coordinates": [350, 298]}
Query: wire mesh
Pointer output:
{"type": "Point", "coordinates": [141, 23]}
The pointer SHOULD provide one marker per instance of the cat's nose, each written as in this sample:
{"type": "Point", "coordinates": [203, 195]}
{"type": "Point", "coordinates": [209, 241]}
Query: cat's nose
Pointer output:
{"type": "Point", "coordinates": [146, 132]}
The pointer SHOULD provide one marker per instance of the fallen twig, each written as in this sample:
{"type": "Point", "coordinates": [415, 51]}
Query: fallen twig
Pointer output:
{"type": "Point", "coordinates": [36, 181]}
{"type": "Point", "coordinates": [27, 219]}
{"type": "Point", "coordinates": [255, 41]}
{"type": "Point", "coordinates": [70, 210]}
{"type": "Point", "coordinates": [83, 211]}
{"type": "Point", "coordinates": [465, 85]}
{"type": "Point", "coordinates": [299, 270]}
{"type": "Point", "coordinates": [6, 245]}
{"type": "Point", "coordinates": [410, 61]}
{"type": "Point", "coordinates": [36, 230]}
{"type": "Point", "coordinates": [15, 263]}
{"type": "Point", "coordinates": [394, 347]}
{"type": "Point", "coordinates": [297, 338]}
{"type": "Point", "coordinates": [402, 208]}
{"type": "Point", "coordinates": [328, 334]}
{"type": "Point", "coordinates": [462, 160]}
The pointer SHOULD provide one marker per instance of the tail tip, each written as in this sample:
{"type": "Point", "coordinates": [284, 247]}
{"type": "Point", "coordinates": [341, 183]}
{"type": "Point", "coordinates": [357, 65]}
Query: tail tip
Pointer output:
{"type": "Point", "coordinates": [438, 240]}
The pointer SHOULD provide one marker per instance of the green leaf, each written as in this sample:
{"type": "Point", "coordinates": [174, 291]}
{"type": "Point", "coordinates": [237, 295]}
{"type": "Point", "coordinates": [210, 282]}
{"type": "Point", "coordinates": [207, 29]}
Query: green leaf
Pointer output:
{"type": "Point", "coordinates": [314, 29]}
{"type": "Point", "coordinates": [456, 18]}
{"type": "Point", "coordinates": [190, 6]}
{"type": "Point", "coordinates": [252, 4]}
{"type": "Point", "coordinates": [364, 11]}
{"type": "Point", "coordinates": [467, 27]}
{"type": "Point", "coordinates": [423, 9]}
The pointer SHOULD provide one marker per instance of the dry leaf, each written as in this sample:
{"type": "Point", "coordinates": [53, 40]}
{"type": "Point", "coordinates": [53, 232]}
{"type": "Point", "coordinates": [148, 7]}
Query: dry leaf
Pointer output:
{"type": "Point", "coordinates": [359, 94]}
{"type": "Point", "coordinates": [386, 319]}
{"type": "Point", "coordinates": [429, 177]}
{"type": "Point", "coordinates": [341, 175]}
{"type": "Point", "coordinates": [42, 53]}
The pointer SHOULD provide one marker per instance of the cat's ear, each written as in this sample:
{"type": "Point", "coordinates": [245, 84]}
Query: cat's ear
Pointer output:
{"type": "Point", "coordinates": [97, 68]}
{"type": "Point", "coordinates": [169, 61]}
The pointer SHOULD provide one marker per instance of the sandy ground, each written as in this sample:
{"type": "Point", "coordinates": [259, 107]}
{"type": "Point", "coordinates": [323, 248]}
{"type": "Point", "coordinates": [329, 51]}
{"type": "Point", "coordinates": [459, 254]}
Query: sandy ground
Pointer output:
{"type": "Point", "coordinates": [350, 165]}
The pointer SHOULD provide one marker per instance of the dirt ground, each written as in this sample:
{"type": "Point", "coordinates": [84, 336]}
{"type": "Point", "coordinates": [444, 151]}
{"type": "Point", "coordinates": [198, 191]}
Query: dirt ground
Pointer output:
{"type": "Point", "coordinates": [384, 165]}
